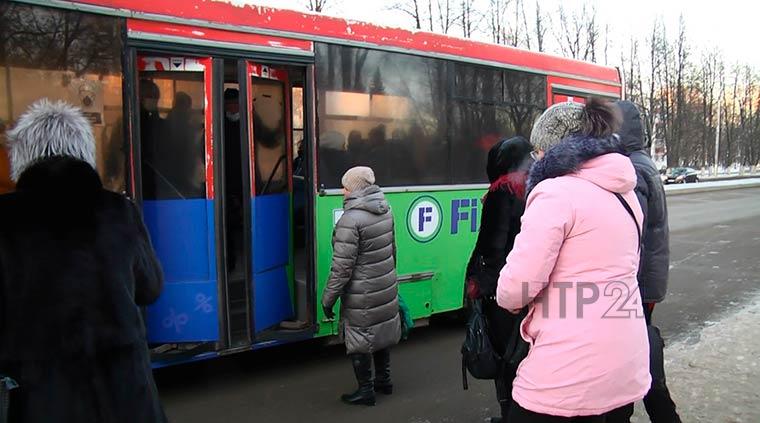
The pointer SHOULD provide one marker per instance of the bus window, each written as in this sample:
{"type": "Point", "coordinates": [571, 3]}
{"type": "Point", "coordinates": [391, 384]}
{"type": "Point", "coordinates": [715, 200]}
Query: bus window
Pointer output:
{"type": "Point", "coordinates": [172, 108]}
{"type": "Point", "coordinates": [298, 117]}
{"type": "Point", "coordinates": [489, 105]}
{"type": "Point", "coordinates": [69, 56]}
{"type": "Point", "coordinates": [384, 110]}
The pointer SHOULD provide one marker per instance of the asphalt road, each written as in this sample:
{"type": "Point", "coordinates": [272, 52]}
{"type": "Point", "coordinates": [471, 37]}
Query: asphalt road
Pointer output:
{"type": "Point", "coordinates": [715, 245]}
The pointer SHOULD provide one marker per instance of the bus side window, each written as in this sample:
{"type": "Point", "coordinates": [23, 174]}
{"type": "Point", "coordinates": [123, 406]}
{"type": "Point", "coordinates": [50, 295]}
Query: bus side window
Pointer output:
{"type": "Point", "coordinates": [172, 111]}
{"type": "Point", "coordinates": [51, 62]}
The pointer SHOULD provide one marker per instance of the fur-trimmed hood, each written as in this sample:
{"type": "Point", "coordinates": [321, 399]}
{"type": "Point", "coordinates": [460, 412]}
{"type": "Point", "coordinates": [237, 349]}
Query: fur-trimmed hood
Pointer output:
{"type": "Point", "coordinates": [570, 155]}
{"type": "Point", "coordinates": [49, 129]}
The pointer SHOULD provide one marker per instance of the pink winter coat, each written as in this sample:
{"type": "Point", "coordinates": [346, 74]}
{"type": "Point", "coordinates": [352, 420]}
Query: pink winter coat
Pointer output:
{"type": "Point", "coordinates": [575, 262]}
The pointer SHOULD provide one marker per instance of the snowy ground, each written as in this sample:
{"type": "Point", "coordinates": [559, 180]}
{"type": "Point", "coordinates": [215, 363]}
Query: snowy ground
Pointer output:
{"type": "Point", "coordinates": [674, 189]}
{"type": "Point", "coordinates": [717, 378]}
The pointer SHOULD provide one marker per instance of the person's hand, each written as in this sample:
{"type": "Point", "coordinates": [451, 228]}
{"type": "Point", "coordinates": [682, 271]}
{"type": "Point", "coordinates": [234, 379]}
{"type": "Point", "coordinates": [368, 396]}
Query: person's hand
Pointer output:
{"type": "Point", "coordinates": [329, 314]}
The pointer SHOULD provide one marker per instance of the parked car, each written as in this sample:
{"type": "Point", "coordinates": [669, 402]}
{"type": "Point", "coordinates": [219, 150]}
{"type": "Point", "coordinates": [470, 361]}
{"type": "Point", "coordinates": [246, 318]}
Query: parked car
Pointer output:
{"type": "Point", "coordinates": [681, 175]}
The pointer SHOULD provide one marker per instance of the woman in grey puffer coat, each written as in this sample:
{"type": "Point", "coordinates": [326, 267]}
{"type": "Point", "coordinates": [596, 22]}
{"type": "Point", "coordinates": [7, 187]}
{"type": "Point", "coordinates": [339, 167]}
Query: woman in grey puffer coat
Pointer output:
{"type": "Point", "coordinates": [363, 276]}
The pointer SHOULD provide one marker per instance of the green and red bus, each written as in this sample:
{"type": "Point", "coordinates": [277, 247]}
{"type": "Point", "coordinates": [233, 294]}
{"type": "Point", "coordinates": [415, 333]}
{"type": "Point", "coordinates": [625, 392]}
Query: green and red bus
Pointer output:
{"type": "Point", "coordinates": [231, 126]}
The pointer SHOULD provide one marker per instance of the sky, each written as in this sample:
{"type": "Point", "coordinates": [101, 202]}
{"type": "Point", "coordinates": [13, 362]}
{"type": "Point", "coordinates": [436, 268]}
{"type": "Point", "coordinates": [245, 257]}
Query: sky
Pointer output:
{"type": "Point", "coordinates": [730, 26]}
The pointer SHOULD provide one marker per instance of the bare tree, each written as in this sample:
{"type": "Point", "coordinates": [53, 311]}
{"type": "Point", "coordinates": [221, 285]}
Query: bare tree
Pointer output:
{"type": "Point", "coordinates": [410, 8]}
{"type": "Point", "coordinates": [468, 18]}
{"type": "Point", "coordinates": [497, 21]}
{"type": "Point", "coordinates": [446, 15]}
{"type": "Point", "coordinates": [540, 28]}
{"type": "Point", "coordinates": [655, 68]}
{"type": "Point", "coordinates": [515, 26]}
{"type": "Point", "coordinates": [592, 33]}
{"type": "Point", "coordinates": [577, 33]}
{"type": "Point", "coordinates": [316, 5]}
{"type": "Point", "coordinates": [606, 44]}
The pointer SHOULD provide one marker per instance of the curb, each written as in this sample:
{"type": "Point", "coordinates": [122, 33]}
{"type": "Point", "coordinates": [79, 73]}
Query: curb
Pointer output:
{"type": "Point", "coordinates": [674, 190]}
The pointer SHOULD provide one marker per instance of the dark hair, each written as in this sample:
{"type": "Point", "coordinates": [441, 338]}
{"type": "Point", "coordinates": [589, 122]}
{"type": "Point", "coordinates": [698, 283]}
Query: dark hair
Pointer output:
{"type": "Point", "coordinates": [601, 118]}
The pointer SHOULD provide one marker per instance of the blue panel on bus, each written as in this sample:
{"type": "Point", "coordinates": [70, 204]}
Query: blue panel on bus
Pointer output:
{"type": "Point", "coordinates": [272, 302]}
{"type": "Point", "coordinates": [182, 234]}
{"type": "Point", "coordinates": [183, 237]}
{"type": "Point", "coordinates": [185, 311]}
{"type": "Point", "coordinates": [271, 231]}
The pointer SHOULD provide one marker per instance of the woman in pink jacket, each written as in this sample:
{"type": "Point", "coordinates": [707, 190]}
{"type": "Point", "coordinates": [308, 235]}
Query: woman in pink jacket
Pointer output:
{"type": "Point", "coordinates": [575, 263]}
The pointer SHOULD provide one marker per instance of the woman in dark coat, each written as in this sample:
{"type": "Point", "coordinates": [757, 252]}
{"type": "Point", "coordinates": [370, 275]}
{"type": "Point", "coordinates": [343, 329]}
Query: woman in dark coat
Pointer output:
{"type": "Point", "coordinates": [503, 206]}
{"type": "Point", "coordinates": [363, 276]}
{"type": "Point", "coordinates": [75, 265]}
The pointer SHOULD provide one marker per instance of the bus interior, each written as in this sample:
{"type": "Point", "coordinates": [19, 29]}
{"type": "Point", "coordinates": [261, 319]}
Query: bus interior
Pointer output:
{"type": "Point", "coordinates": [223, 180]}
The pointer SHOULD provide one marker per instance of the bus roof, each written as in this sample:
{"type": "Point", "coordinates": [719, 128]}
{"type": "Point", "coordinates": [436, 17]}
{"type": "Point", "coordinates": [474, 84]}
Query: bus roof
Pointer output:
{"type": "Point", "coordinates": [222, 14]}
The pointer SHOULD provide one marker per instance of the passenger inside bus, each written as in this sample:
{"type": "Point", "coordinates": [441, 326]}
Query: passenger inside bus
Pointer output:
{"type": "Point", "coordinates": [269, 138]}
{"type": "Point", "coordinates": [180, 156]}
{"type": "Point", "coordinates": [233, 171]}
{"type": "Point", "coordinates": [172, 146]}
{"type": "Point", "coordinates": [150, 129]}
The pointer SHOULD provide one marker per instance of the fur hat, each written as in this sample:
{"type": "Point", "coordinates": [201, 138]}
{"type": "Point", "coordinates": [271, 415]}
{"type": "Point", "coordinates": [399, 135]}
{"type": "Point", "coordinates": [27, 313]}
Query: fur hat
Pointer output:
{"type": "Point", "coordinates": [556, 123]}
{"type": "Point", "coordinates": [357, 178]}
{"type": "Point", "coordinates": [49, 129]}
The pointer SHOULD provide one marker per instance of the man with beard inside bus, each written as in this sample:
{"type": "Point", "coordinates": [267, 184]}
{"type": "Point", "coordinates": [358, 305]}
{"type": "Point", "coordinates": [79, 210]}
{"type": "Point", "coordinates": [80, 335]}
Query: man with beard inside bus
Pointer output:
{"type": "Point", "coordinates": [269, 139]}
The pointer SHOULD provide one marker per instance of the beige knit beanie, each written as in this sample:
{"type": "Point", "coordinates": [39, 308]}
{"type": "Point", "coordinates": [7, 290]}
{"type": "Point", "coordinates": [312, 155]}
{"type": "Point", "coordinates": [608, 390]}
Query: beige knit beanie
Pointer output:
{"type": "Point", "coordinates": [357, 178]}
{"type": "Point", "coordinates": [555, 124]}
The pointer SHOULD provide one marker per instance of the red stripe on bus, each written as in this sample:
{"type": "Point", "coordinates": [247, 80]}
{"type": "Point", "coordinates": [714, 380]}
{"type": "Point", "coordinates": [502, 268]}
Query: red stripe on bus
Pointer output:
{"type": "Point", "coordinates": [307, 24]}
{"type": "Point", "coordinates": [208, 78]}
{"type": "Point", "coordinates": [210, 34]}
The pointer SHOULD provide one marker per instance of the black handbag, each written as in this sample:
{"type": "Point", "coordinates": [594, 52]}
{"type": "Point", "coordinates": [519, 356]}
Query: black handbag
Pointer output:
{"type": "Point", "coordinates": [478, 354]}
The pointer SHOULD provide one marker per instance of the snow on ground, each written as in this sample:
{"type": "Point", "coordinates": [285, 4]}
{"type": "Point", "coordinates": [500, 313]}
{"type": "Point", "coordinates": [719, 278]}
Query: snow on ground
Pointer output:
{"type": "Point", "coordinates": [717, 379]}
{"type": "Point", "coordinates": [702, 186]}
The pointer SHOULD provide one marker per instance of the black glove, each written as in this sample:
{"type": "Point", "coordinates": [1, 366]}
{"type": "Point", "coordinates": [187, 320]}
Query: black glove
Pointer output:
{"type": "Point", "coordinates": [328, 312]}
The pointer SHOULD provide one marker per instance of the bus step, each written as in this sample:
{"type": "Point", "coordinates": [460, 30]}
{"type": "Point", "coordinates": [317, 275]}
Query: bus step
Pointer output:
{"type": "Point", "coordinates": [293, 325]}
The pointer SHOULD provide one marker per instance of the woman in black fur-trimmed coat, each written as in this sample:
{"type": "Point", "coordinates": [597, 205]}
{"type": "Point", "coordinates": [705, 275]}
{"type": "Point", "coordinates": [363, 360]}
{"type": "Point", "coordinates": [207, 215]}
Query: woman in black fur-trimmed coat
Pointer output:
{"type": "Point", "coordinates": [75, 265]}
{"type": "Point", "coordinates": [503, 206]}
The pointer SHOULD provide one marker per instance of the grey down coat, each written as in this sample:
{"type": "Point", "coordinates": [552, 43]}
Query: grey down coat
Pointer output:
{"type": "Point", "coordinates": [363, 273]}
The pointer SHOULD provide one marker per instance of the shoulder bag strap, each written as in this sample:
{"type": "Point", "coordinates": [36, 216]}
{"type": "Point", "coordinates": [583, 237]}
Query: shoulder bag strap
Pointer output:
{"type": "Point", "coordinates": [633, 216]}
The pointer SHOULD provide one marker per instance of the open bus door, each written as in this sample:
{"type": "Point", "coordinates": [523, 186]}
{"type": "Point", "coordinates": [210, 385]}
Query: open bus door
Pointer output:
{"type": "Point", "coordinates": [270, 164]}
{"type": "Point", "coordinates": [176, 168]}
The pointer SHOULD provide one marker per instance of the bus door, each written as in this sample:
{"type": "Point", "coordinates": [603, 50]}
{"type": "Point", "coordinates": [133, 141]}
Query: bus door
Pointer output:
{"type": "Point", "coordinates": [176, 168]}
{"type": "Point", "coordinates": [270, 159]}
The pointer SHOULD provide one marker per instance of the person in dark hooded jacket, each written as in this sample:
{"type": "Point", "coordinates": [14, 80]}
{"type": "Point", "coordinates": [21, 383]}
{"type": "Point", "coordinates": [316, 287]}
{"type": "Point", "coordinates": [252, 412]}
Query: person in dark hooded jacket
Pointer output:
{"type": "Point", "coordinates": [363, 276]}
{"type": "Point", "coordinates": [503, 206]}
{"type": "Point", "coordinates": [655, 256]}
{"type": "Point", "coordinates": [75, 265]}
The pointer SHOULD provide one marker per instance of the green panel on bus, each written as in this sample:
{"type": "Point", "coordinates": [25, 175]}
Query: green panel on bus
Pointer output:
{"type": "Point", "coordinates": [435, 233]}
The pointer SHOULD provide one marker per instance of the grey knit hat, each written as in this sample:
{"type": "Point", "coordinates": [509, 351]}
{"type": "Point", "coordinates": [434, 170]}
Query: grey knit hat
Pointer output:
{"type": "Point", "coordinates": [555, 124]}
{"type": "Point", "coordinates": [357, 178]}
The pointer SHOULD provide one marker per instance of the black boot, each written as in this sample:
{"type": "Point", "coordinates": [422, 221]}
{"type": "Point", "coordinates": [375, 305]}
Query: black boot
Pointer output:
{"type": "Point", "coordinates": [365, 395]}
{"type": "Point", "coordinates": [383, 382]}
